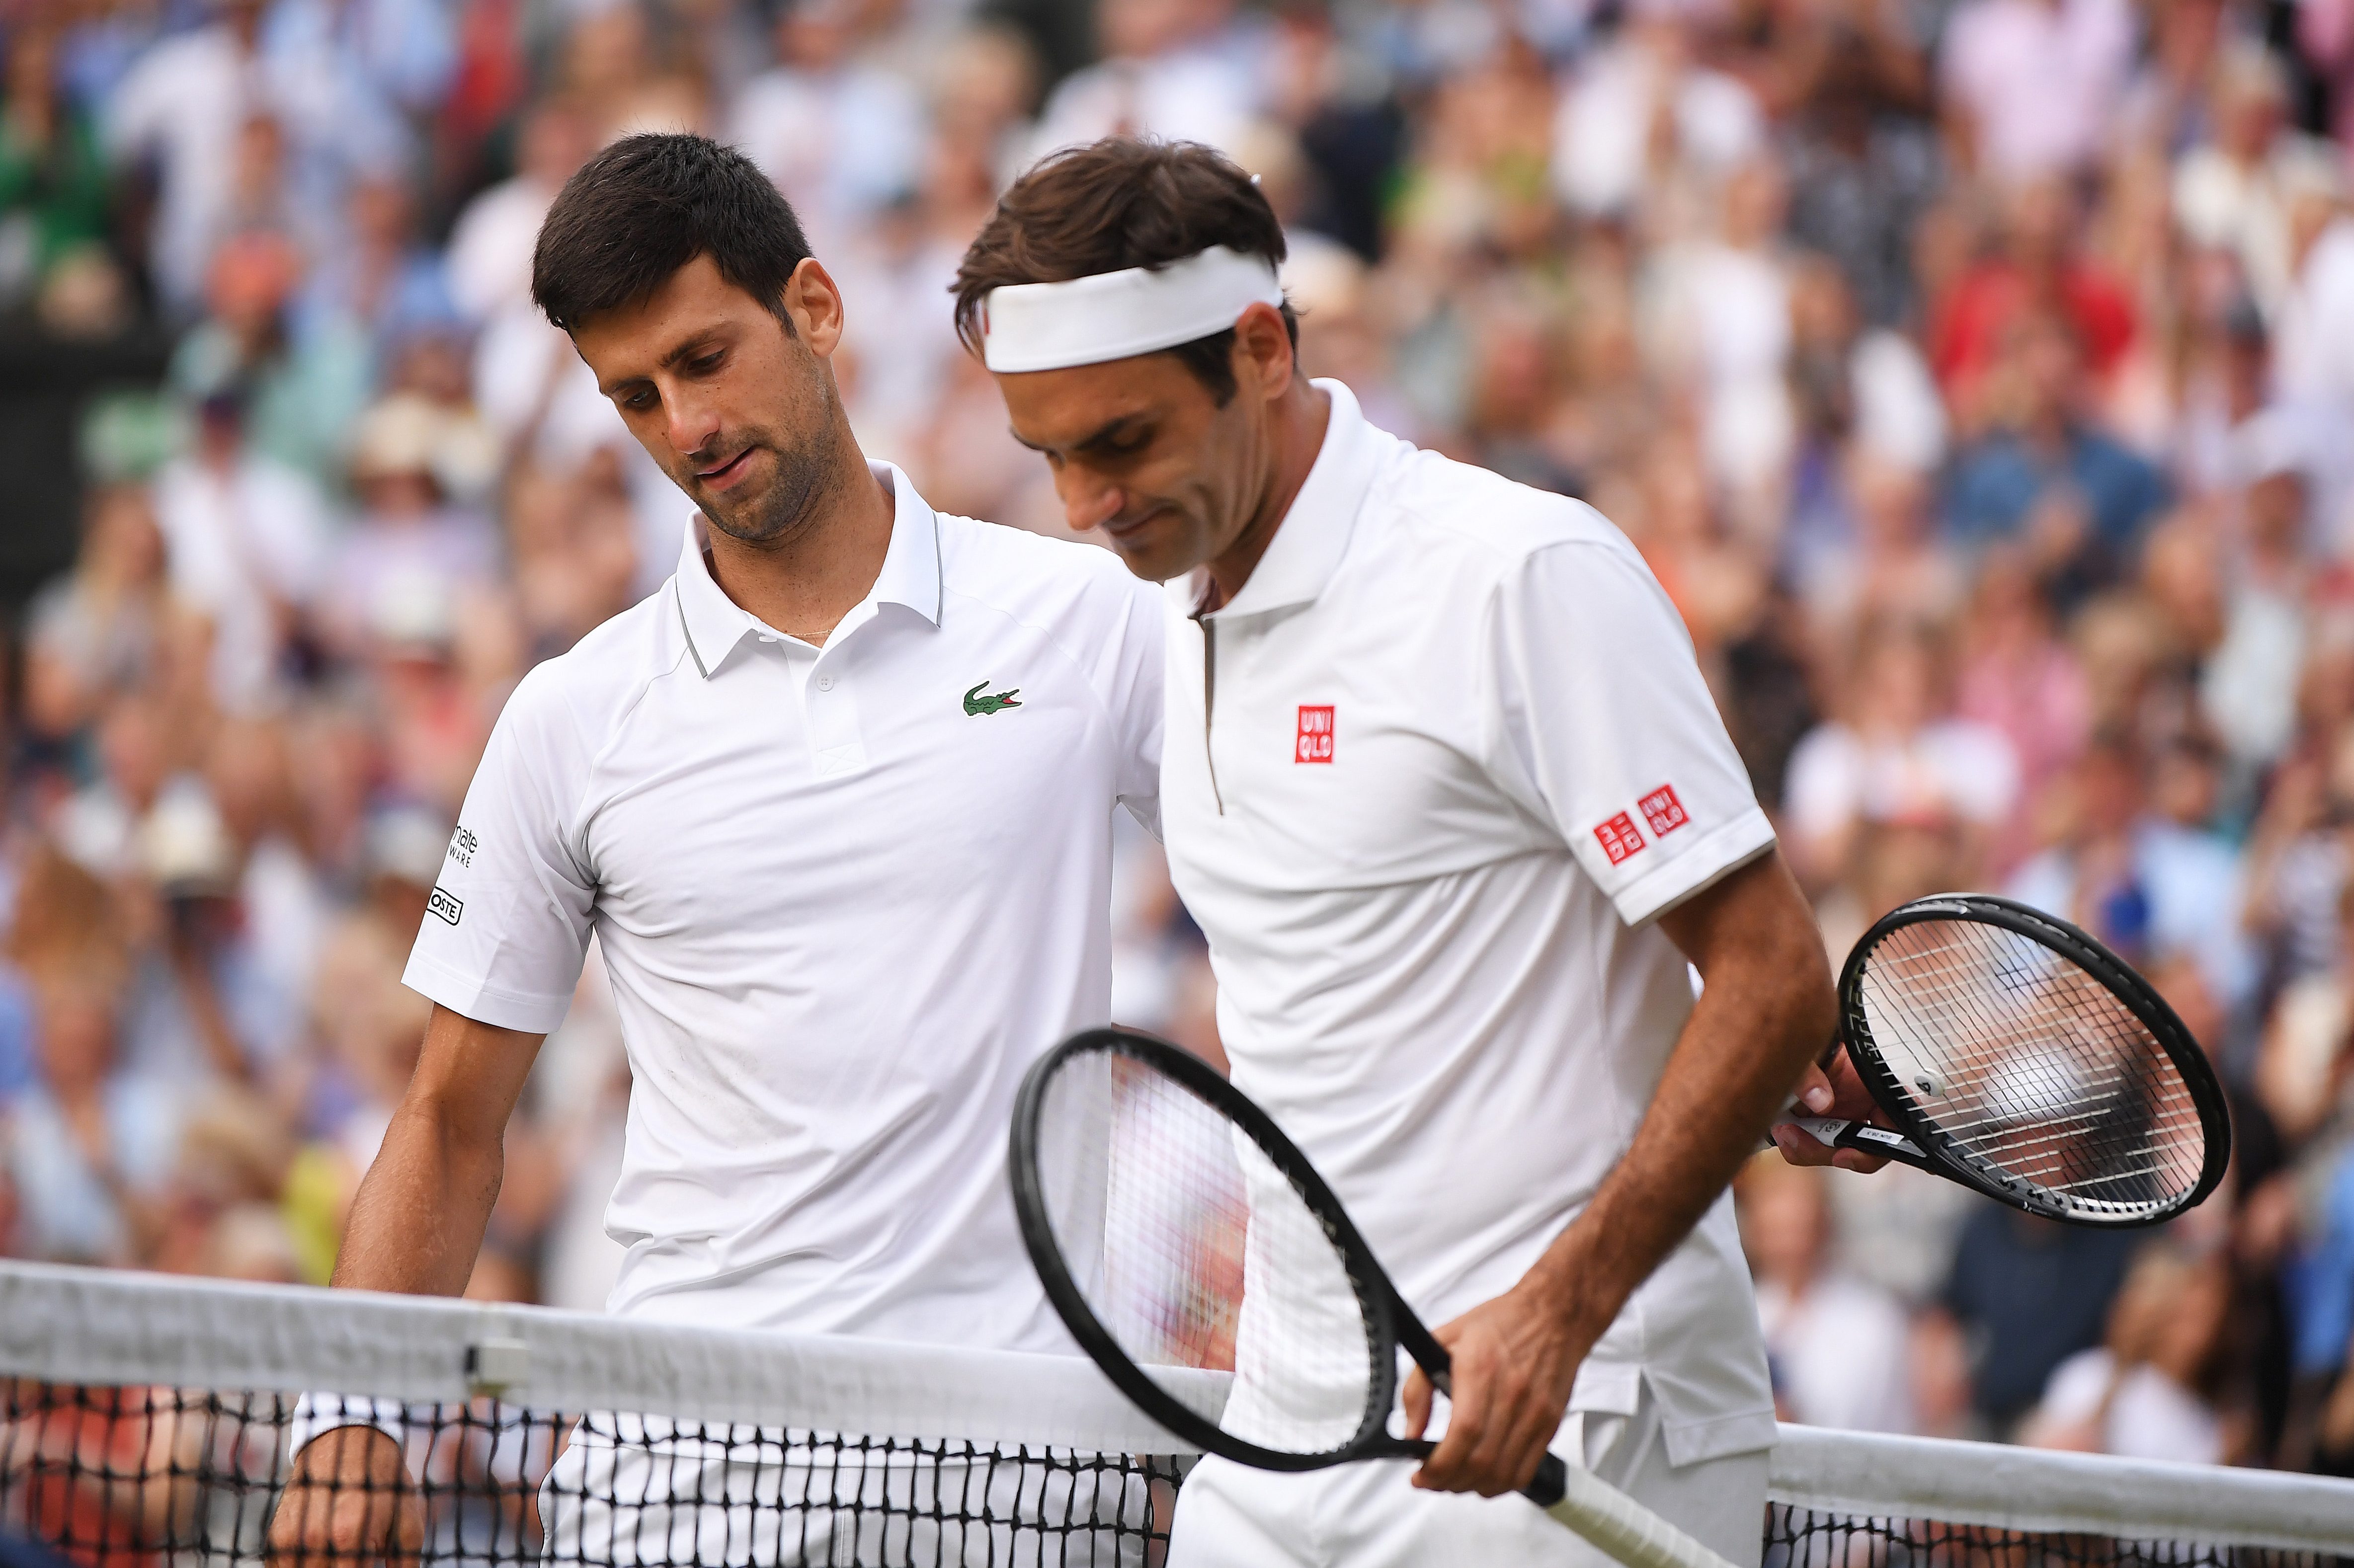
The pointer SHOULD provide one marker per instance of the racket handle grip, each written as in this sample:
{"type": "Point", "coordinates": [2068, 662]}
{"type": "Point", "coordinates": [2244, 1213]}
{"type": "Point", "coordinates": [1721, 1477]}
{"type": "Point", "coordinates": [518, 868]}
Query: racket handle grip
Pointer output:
{"type": "Point", "coordinates": [1613, 1523]}
{"type": "Point", "coordinates": [1833, 1133]}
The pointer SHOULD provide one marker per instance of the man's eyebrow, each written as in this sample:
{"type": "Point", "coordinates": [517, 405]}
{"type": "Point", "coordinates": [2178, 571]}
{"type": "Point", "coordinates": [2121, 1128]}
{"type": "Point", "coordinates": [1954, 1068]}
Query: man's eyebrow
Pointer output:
{"type": "Point", "coordinates": [693, 346]}
{"type": "Point", "coordinates": [687, 349]}
{"type": "Point", "coordinates": [1097, 437]}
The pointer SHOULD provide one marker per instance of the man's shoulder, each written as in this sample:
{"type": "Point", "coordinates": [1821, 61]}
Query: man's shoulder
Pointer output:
{"type": "Point", "coordinates": [1026, 575]}
{"type": "Point", "coordinates": [1497, 522]}
{"type": "Point", "coordinates": [593, 684]}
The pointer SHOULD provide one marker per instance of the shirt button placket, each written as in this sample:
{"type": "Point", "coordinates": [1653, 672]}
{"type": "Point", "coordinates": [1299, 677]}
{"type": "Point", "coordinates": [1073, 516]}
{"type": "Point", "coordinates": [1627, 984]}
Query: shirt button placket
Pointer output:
{"type": "Point", "coordinates": [834, 724]}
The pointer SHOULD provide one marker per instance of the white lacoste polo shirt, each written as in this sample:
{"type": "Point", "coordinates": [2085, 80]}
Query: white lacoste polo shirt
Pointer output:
{"type": "Point", "coordinates": [1428, 780]}
{"type": "Point", "coordinates": [845, 896]}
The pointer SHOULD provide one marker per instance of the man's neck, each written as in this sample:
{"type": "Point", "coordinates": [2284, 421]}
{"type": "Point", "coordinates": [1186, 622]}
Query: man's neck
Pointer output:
{"type": "Point", "coordinates": [805, 584]}
{"type": "Point", "coordinates": [1296, 430]}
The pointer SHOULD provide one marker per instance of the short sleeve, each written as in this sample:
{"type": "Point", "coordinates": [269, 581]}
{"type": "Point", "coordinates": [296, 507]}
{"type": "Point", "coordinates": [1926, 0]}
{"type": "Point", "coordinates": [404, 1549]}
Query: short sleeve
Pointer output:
{"type": "Point", "coordinates": [1603, 711]}
{"type": "Point", "coordinates": [1137, 676]}
{"type": "Point", "coordinates": [507, 926]}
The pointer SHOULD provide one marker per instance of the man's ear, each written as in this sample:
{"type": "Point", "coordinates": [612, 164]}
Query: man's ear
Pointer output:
{"type": "Point", "coordinates": [815, 303]}
{"type": "Point", "coordinates": [1264, 360]}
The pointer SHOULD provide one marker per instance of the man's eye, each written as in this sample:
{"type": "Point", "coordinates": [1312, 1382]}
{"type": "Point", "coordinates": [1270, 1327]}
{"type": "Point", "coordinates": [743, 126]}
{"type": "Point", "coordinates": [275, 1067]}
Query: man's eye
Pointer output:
{"type": "Point", "coordinates": [707, 364]}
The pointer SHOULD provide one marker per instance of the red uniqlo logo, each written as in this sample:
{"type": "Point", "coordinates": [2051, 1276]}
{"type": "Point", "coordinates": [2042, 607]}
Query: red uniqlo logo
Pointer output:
{"type": "Point", "coordinates": [1620, 837]}
{"type": "Point", "coordinates": [1315, 743]}
{"type": "Point", "coordinates": [1663, 811]}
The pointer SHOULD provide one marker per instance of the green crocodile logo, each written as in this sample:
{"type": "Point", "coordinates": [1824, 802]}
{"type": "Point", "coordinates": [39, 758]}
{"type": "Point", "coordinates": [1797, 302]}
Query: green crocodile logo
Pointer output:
{"type": "Point", "coordinates": [974, 703]}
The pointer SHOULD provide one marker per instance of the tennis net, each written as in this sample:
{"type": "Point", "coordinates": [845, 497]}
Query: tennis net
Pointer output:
{"type": "Point", "coordinates": [146, 1422]}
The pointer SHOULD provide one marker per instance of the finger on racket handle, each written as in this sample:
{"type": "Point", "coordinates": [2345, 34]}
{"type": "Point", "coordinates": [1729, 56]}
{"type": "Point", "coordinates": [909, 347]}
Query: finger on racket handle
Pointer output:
{"type": "Point", "coordinates": [1615, 1524]}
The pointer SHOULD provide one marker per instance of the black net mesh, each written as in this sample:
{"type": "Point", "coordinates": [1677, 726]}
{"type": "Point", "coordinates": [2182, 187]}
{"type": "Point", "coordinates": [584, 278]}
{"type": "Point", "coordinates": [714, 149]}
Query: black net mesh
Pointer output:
{"type": "Point", "coordinates": [1804, 1538]}
{"type": "Point", "coordinates": [117, 1477]}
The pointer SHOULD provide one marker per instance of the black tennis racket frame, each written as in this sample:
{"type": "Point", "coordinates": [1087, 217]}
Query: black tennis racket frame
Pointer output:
{"type": "Point", "coordinates": [2115, 976]}
{"type": "Point", "coordinates": [1390, 1323]}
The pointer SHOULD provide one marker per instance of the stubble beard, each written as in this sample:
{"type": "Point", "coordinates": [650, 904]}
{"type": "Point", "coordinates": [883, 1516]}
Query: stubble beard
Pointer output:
{"type": "Point", "coordinates": [783, 512]}
{"type": "Point", "coordinates": [788, 509]}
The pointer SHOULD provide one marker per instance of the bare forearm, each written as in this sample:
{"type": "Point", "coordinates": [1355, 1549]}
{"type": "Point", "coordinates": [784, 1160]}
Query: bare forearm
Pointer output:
{"type": "Point", "coordinates": [419, 1218]}
{"type": "Point", "coordinates": [1766, 1011]}
{"type": "Point", "coordinates": [420, 1212]}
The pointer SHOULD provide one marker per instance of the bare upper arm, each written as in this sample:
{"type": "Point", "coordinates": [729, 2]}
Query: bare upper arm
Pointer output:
{"type": "Point", "coordinates": [1754, 917]}
{"type": "Point", "coordinates": [471, 1074]}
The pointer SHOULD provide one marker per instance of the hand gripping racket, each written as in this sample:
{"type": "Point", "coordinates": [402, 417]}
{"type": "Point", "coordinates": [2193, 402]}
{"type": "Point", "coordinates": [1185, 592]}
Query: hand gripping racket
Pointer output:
{"type": "Point", "coordinates": [2015, 1054]}
{"type": "Point", "coordinates": [1183, 1236]}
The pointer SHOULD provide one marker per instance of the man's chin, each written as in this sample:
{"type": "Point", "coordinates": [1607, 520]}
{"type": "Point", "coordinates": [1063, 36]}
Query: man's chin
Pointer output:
{"type": "Point", "coordinates": [1156, 555]}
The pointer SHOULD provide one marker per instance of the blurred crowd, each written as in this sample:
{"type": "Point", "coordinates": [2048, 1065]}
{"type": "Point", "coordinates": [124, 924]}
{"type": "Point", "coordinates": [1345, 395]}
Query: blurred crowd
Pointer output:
{"type": "Point", "coordinates": [1978, 376]}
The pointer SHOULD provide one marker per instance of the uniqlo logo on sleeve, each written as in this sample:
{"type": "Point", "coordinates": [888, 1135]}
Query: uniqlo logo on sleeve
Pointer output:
{"type": "Point", "coordinates": [1620, 837]}
{"type": "Point", "coordinates": [1315, 743]}
{"type": "Point", "coordinates": [1663, 811]}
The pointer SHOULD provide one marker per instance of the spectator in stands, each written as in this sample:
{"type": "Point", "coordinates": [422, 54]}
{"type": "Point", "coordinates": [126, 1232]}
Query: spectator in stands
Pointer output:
{"type": "Point", "coordinates": [2142, 1393]}
{"type": "Point", "coordinates": [245, 537]}
{"type": "Point", "coordinates": [299, 392]}
{"type": "Point", "coordinates": [91, 1145]}
{"type": "Point", "coordinates": [2038, 265]}
{"type": "Point", "coordinates": [2078, 500]}
{"type": "Point", "coordinates": [2018, 677]}
{"type": "Point", "coordinates": [54, 189]}
{"type": "Point", "coordinates": [384, 281]}
{"type": "Point", "coordinates": [842, 137]}
{"type": "Point", "coordinates": [1642, 116]}
{"type": "Point", "coordinates": [407, 538]}
{"type": "Point", "coordinates": [2301, 1074]}
{"type": "Point", "coordinates": [2149, 887]}
{"type": "Point", "coordinates": [2233, 193]}
{"type": "Point", "coordinates": [2031, 85]}
{"type": "Point", "coordinates": [181, 108]}
{"type": "Point", "coordinates": [489, 256]}
{"type": "Point", "coordinates": [2028, 1294]}
{"type": "Point", "coordinates": [1838, 1347]}
{"type": "Point", "coordinates": [1898, 756]}
{"type": "Point", "coordinates": [104, 629]}
{"type": "Point", "coordinates": [1182, 70]}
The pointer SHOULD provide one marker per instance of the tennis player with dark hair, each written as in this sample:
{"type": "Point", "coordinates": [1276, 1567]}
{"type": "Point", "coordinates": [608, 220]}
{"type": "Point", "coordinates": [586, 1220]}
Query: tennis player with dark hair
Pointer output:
{"type": "Point", "coordinates": [1447, 792]}
{"type": "Point", "coordinates": [836, 802]}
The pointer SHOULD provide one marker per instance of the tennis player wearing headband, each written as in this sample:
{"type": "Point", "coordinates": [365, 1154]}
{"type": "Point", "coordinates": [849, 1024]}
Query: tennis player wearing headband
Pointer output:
{"type": "Point", "coordinates": [1445, 789]}
{"type": "Point", "coordinates": [836, 803]}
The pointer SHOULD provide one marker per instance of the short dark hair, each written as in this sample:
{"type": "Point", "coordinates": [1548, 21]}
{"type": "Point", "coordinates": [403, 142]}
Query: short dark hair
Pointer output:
{"type": "Point", "coordinates": [647, 206]}
{"type": "Point", "coordinates": [1115, 203]}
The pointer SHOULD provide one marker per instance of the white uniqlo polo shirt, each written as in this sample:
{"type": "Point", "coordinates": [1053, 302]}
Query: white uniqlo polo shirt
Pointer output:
{"type": "Point", "coordinates": [845, 896]}
{"type": "Point", "coordinates": [1428, 781]}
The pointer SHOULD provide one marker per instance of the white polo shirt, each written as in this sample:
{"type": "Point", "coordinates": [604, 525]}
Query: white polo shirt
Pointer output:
{"type": "Point", "coordinates": [845, 897]}
{"type": "Point", "coordinates": [1430, 779]}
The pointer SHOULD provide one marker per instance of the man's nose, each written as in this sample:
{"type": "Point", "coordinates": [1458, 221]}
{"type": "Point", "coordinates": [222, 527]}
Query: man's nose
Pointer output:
{"type": "Point", "coordinates": [1089, 501]}
{"type": "Point", "coordinates": [692, 427]}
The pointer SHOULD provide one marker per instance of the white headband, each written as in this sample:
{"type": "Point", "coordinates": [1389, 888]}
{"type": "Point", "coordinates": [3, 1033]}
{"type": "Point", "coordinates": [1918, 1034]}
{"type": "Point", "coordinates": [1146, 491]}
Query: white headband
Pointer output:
{"type": "Point", "coordinates": [1112, 315]}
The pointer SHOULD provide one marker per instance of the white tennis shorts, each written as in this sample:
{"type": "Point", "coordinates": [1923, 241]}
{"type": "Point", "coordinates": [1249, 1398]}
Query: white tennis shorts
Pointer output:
{"type": "Point", "coordinates": [1367, 1516]}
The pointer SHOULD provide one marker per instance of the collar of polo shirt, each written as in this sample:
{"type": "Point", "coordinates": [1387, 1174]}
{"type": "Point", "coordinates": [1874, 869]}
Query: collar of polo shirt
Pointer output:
{"type": "Point", "coordinates": [717, 625]}
{"type": "Point", "coordinates": [1301, 557]}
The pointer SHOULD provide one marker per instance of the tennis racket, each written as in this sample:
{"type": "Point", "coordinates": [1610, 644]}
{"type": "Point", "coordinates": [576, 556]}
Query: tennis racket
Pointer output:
{"type": "Point", "coordinates": [2015, 1054]}
{"type": "Point", "coordinates": [1203, 1262]}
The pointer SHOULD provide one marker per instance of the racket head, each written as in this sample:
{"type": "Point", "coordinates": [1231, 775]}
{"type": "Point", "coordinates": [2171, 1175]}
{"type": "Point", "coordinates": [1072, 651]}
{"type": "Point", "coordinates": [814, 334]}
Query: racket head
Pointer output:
{"type": "Point", "coordinates": [2032, 1064]}
{"type": "Point", "coordinates": [1149, 1190]}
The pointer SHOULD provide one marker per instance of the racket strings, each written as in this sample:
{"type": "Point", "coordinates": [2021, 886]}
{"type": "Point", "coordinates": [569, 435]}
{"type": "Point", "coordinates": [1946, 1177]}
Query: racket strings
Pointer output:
{"type": "Point", "coordinates": [2032, 1066]}
{"type": "Point", "coordinates": [1170, 1220]}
